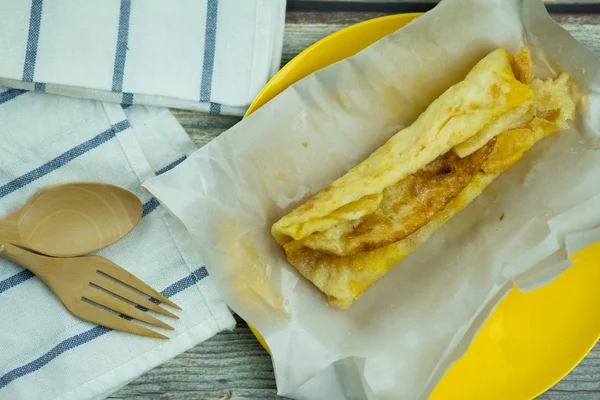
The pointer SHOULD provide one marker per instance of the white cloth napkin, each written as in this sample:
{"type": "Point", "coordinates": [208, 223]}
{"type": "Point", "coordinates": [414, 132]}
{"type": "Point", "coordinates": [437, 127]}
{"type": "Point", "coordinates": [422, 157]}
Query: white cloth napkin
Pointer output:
{"type": "Point", "coordinates": [46, 140]}
{"type": "Point", "coordinates": [206, 55]}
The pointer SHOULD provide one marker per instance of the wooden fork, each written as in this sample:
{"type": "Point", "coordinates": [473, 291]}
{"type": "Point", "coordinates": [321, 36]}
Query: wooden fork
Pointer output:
{"type": "Point", "coordinates": [87, 284]}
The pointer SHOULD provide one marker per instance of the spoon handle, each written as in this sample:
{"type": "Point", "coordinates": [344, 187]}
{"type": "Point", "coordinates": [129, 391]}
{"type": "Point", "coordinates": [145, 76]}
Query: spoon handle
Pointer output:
{"type": "Point", "coordinates": [9, 231]}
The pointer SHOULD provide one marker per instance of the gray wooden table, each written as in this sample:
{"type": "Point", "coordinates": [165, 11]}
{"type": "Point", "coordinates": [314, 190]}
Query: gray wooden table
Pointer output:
{"type": "Point", "coordinates": [232, 365]}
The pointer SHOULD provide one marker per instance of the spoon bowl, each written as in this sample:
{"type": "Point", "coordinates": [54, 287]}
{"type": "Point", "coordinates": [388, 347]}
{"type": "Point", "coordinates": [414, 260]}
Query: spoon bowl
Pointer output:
{"type": "Point", "coordinates": [72, 219]}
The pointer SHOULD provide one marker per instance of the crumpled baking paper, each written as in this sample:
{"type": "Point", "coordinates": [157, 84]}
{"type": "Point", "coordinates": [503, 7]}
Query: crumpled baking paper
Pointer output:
{"type": "Point", "coordinates": [400, 337]}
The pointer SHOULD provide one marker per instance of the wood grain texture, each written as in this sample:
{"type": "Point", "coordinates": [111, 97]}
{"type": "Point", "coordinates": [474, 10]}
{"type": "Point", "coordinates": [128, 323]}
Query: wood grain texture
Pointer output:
{"type": "Point", "coordinates": [96, 215]}
{"type": "Point", "coordinates": [90, 296]}
{"type": "Point", "coordinates": [401, 6]}
{"type": "Point", "coordinates": [232, 365]}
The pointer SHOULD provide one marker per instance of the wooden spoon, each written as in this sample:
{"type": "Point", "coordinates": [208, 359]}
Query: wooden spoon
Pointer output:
{"type": "Point", "coordinates": [73, 219]}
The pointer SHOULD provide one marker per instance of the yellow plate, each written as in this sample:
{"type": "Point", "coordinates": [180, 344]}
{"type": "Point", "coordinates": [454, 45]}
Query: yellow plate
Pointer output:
{"type": "Point", "coordinates": [532, 340]}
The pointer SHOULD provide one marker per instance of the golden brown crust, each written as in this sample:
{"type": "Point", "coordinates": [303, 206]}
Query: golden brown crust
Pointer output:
{"type": "Point", "coordinates": [405, 207]}
{"type": "Point", "coordinates": [523, 66]}
{"type": "Point", "coordinates": [488, 91]}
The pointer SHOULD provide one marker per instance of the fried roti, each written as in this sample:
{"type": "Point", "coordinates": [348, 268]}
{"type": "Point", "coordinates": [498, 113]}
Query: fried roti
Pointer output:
{"type": "Point", "coordinates": [405, 206]}
{"type": "Point", "coordinates": [349, 235]}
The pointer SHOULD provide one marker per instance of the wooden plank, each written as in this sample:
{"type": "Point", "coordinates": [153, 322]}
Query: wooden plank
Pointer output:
{"type": "Point", "coordinates": [232, 365]}
{"type": "Point", "coordinates": [203, 127]}
{"type": "Point", "coordinates": [584, 27]}
{"type": "Point", "coordinates": [398, 6]}
{"type": "Point", "coordinates": [305, 28]}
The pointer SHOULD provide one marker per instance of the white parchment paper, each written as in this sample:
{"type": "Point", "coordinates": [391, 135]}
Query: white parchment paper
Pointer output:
{"type": "Point", "coordinates": [397, 340]}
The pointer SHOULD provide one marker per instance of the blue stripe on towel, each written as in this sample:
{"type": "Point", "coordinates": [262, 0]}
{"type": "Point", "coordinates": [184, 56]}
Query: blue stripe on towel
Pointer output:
{"type": "Point", "coordinates": [153, 204]}
{"type": "Point", "coordinates": [10, 94]}
{"type": "Point", "coordinates": [40, 87]}
{"type": "Point", "coordinates": [63, 159]}
{"type": "Point", "coordinates": [147, 207]}
{"type": "Point", "coordinates": [127, 100]}
{"type": "Point", "coordinates": [121, 52]}
{"type": "Point", "coordinates": [35, 20]}
{"type": "Point", "coordinates": [91, 334]}
{"type": "Point", "coordinates": [170, 166]}
{"type": "Point", "coordinates": [210, 41]}
{"type": "Point", "coordinates": [215, 108]}
{"type": "Point", "coordinates": [15, 280]}
{"type": "Point", "coordinates": [150, 206]}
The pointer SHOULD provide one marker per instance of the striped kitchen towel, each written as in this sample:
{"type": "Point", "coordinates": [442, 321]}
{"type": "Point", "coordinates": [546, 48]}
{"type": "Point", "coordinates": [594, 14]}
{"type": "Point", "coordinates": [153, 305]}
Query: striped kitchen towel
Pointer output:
{"type": "Point", "coordinates": [46, 140]}
{"type": "Point", "coordinates": [206, 55]}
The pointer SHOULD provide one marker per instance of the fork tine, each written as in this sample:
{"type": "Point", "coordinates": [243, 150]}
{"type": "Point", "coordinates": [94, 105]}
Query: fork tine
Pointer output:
{"type": "Point", "coordinates": [128, 294]}
{"type": "Point", "coordinates": [106, 300]}
{"type": "Point", "coordinates": [102, 317]}
{"type": "Point", "coordinates": [111, 269]}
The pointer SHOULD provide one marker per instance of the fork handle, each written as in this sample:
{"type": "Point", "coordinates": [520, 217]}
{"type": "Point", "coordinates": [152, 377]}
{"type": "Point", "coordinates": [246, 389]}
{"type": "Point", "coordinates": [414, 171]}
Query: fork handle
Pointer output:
{"type": "Point", "coordinates": [33, 262]}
